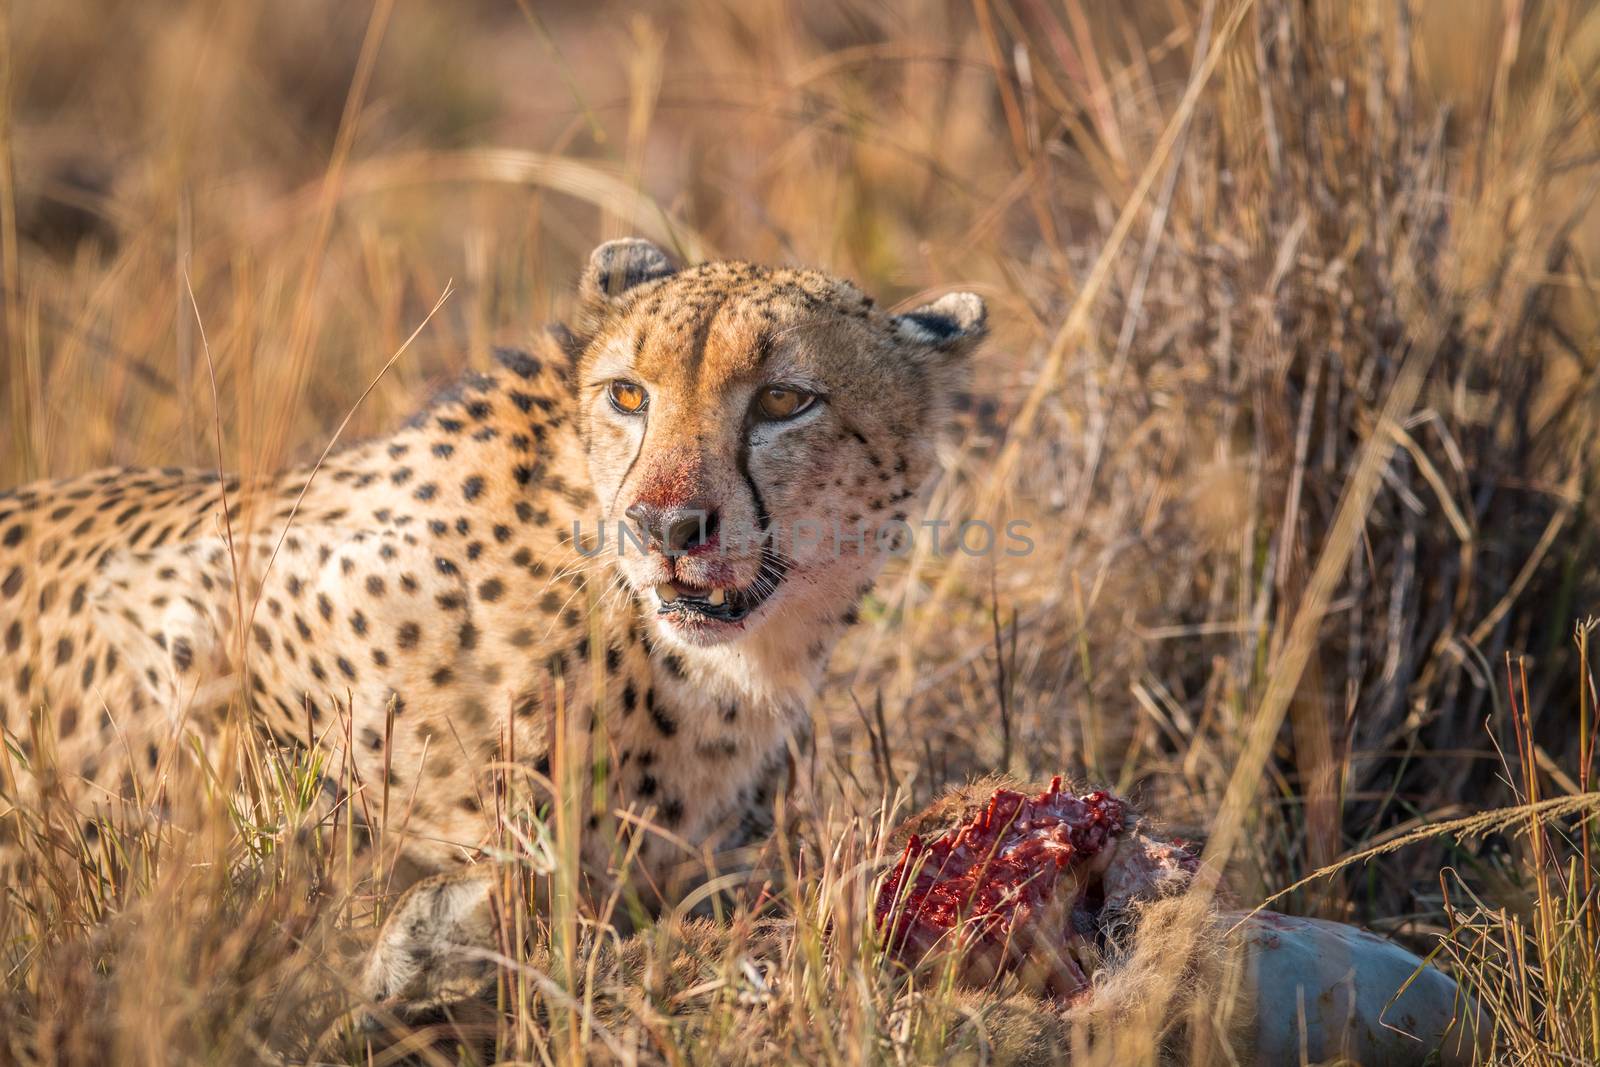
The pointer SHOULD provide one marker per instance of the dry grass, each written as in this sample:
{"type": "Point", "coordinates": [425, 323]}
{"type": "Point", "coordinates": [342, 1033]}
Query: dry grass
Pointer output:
{"type": "Point", "coordinates": [1294, 375]}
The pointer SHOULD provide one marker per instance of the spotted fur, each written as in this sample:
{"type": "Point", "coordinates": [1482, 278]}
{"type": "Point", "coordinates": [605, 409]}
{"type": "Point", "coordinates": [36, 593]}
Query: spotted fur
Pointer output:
{"type": "Point", "coordinates": [422, 602]}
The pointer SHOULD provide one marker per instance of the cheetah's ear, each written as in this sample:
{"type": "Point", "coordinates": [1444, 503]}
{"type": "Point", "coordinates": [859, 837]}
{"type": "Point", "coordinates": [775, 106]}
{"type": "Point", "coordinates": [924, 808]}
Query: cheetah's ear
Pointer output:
{"type": "Point", "coordinates": [618, 266]}
{"type": "Point", "coordinates": [953, 323]}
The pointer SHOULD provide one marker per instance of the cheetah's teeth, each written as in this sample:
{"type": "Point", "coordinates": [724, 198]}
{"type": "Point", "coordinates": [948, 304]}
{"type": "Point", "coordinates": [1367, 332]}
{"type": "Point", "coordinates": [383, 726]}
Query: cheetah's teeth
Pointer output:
{"type": "Point", "coordinates": [716, 597]}
{"type": "Point", "coordinates": [666, 593]}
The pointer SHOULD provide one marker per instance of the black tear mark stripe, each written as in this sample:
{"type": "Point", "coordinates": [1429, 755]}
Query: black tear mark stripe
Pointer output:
{"type": "Point", "coordinates": [638, 451]}
{"type": "Point", "coordinates": [742, 463]}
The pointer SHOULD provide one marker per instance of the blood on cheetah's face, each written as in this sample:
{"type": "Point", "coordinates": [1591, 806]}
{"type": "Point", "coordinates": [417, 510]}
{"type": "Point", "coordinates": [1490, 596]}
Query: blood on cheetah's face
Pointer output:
{"type": "Point", "coordinates": [755, 435]}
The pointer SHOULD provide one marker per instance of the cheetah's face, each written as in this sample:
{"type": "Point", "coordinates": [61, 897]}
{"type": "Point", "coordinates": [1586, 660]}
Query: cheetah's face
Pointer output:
{"type": "Point", "coordinates": [755, 435]}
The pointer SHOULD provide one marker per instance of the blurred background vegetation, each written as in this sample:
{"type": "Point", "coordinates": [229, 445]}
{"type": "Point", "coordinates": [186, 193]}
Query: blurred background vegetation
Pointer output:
{"type": "Point", "coordinates": [1216, 240]}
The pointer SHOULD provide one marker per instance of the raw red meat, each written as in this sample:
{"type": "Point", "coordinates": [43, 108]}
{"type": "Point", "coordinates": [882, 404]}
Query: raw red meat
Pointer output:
{"type": "Point", "coordinates": [1018, 886]}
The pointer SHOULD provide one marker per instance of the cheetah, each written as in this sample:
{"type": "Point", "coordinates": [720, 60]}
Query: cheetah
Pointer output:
{"type": "Point", "coordinates": [619, 521]}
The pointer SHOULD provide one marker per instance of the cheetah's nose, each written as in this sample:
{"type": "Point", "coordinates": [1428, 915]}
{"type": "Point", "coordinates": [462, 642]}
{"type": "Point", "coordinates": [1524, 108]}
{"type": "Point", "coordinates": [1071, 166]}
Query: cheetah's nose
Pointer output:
{"type": "Point", "coordinates": [675, 531]}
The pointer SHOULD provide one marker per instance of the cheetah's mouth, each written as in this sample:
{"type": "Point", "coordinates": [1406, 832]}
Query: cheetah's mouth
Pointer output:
{"type": "Point", "coordinates": [688, 603]}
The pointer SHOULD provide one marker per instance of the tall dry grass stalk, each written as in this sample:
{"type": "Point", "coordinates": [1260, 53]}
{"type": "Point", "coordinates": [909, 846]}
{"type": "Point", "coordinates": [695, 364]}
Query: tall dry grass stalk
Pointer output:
{"type": "Point", "coordinates": [1293, 375]}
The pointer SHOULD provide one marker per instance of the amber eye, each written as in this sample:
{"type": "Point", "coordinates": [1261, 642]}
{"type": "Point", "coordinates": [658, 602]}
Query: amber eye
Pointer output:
{"type": "Point", "coordinates": [779, 402]}
{"type": "Point", "coordinates": [627, 397]}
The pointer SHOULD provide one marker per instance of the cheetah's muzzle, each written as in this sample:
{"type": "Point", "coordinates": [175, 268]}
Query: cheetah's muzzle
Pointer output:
{"type": "Point", "coordinates": [687, 604]}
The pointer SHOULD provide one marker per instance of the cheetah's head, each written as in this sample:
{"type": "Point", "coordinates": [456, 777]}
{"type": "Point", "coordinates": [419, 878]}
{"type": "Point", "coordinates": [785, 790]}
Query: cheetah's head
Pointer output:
{"type": "Point", "coordinates": [755, 435]}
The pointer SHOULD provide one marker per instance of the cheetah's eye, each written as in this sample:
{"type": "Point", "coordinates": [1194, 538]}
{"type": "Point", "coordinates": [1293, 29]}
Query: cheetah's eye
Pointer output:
{"type": "Point", "coordinates": [780, 402]}
{"type": "Point", "coordinates": [627, 397]}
